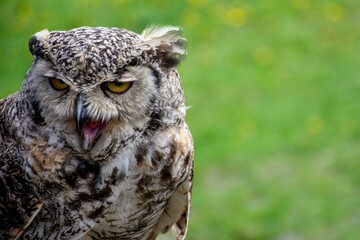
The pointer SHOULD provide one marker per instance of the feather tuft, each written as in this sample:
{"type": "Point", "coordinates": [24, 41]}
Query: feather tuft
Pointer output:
{"type": "Point", "coordinates": [167, 43]}
{"type": "Point", "coordinates": [42, 35]}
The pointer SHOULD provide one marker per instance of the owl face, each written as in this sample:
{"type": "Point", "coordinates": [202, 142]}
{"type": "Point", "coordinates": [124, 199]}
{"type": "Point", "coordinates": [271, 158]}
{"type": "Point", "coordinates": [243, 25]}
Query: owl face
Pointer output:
{"type": "Point", "coordinates": [94, 85]}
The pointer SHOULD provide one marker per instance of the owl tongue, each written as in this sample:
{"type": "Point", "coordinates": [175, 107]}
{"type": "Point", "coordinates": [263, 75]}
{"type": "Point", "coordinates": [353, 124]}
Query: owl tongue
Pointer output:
{"type": "Point", "coordinates": [91, 132]}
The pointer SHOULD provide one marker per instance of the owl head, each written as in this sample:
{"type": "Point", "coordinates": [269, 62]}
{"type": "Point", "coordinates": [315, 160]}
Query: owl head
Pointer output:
{"type": "Point", "coordinates": [98, 87]}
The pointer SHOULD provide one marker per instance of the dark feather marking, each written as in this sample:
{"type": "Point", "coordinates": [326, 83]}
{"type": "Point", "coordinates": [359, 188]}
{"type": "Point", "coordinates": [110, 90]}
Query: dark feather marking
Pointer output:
{"type": "Point", "coordinates": [35, 47]}
{"type": "Point", "coordinates": [155, 120]}
{"type": "Point", "coordinates": [187, 159]}
{"type": "Point", "coordinates": [167, 57]}
{"type": "Point", "coordinates": [71, 179]}
{"type": "Point", "coordinates": [116, 177]}
{"type": "Point", "coordinates": [87, 170]}
{"type": "Point", "coordinates": [74, 205]}
{"type": "Point", "coordinates": [144, 181]}
{"type": "Point", "coordinates": [95, 194]}
{"type": "Point", "coordinates": [139, 156]}
{"type": "Point", "coordinates": [156, 74]}
{"type": "Point", "coordinates": [84, 170]}
{"type": "Point", "coordinates": [134, 62]}
{"type": "Point", "coordinates": [156, 158]}
{"type": "Point", "coordinates": [166, 228]}
{"type": "Point", "coordinates": [179, 227]}
{"type": "Point", "coordinates": [96, 212]}
{"type": "Point", "coordinates": [166, 174]}
{"type": "Point", "coordinates": [36, 116]}
{"type": "Point", "coordinates": [142, 187]}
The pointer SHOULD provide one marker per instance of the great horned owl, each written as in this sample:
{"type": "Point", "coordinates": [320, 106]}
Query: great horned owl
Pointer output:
{"type": "Point", "coordinates": [95, 145]}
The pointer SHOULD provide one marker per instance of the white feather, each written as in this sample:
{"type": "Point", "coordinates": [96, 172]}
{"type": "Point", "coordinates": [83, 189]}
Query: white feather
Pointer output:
{"type": "Point", "coordinates": [42, 35]}
{"type": "Point", "coordinates": [155, 31]}
{"type": "Point", "coordinates": [166, 35]}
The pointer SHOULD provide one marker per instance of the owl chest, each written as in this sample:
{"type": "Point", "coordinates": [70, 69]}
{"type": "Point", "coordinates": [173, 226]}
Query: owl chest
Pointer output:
{"type": "Point", "coordinates": [135, 211]}
{"type": "Point", "coordinates": [121, 207]}
{"type": "Point", "coordinates": [121, 199]}
{"type": "Point", "coordinates": [128, 205]}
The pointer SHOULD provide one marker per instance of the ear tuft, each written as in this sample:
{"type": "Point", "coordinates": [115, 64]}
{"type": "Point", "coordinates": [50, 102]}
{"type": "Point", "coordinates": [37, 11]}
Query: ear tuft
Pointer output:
{"type": "Point", "coordinates": [166, 43]}
{"type": "Point", "coordinates": [38, 44]}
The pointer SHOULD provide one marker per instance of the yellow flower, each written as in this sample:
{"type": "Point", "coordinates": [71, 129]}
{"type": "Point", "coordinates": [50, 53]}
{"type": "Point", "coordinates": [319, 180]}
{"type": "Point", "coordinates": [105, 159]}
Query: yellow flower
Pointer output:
{"type": "Point", "coordinates": [333, 12]}
{"type": "Point", "coordinates": [235, 17]}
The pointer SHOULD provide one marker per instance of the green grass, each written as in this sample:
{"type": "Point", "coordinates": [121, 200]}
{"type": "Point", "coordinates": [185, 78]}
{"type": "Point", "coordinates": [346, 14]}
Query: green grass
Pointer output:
{"type": "Point", "coordinates": [274, 88]}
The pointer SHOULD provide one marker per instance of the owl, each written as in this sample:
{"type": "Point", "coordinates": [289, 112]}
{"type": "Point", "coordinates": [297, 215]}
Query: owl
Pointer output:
{"type": "Point", "coordinates": [95, 145]}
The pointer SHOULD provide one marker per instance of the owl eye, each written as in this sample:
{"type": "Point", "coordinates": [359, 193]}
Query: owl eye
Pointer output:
{"type": "Point", "coordinates": [118, 87]}
{"type": "Point", "coordinates": [58, 84]}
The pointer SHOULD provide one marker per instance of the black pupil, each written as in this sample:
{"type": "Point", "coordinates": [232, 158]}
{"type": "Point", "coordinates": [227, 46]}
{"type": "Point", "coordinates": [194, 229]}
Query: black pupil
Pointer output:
{"type": "Point", "coordinates": [118, 84]}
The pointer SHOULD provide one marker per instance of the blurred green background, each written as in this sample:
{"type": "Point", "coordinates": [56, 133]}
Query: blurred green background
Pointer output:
{"type": "Point", "coordinates": [275, 93]}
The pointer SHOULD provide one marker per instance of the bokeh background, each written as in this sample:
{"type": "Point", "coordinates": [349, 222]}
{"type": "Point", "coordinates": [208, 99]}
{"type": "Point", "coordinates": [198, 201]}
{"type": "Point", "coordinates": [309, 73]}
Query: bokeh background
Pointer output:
{"type": "Point", "coordinates": [275, 93]}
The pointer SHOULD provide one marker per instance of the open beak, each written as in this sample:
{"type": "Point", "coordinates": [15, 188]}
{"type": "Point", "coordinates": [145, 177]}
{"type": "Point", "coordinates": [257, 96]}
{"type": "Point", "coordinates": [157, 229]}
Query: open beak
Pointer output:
{"type": "Point", "coordinates": [88, 129]}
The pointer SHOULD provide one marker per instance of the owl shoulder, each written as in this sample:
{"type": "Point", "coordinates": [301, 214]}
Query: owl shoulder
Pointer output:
{"type": "Point", "coordinates": [18, 204]}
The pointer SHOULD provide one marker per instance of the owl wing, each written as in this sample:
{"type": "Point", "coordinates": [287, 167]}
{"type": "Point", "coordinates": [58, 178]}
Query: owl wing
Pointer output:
{"type": "Point", "coordinates": [18, 204]}
{"type": "Point", "coordinates": [177, 210]}
{"type": "Point", "coordinates": [17, 232]}
{"type": "Point", "coordinates": [182, 197]}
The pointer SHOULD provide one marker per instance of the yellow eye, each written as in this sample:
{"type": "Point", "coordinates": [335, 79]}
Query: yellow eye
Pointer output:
{"type": "Point", "coordinates": [58, 84]}
{"type": "Point", "coordinates": [118, 87]}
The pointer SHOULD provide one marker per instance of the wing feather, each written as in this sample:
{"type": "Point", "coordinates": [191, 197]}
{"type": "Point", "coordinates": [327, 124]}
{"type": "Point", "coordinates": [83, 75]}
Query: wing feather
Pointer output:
{"type": "Point", "coordinates": [18, 205]}
{"type": "Point", "coordinates": [18, 231]}
{"type": "Point", "coordinates": [177, 211]}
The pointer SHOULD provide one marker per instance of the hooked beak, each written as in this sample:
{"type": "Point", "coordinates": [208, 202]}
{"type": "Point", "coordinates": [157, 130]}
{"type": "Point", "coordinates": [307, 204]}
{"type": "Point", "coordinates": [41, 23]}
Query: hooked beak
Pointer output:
{"type": "Point", "coordinates": [88, 129]}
